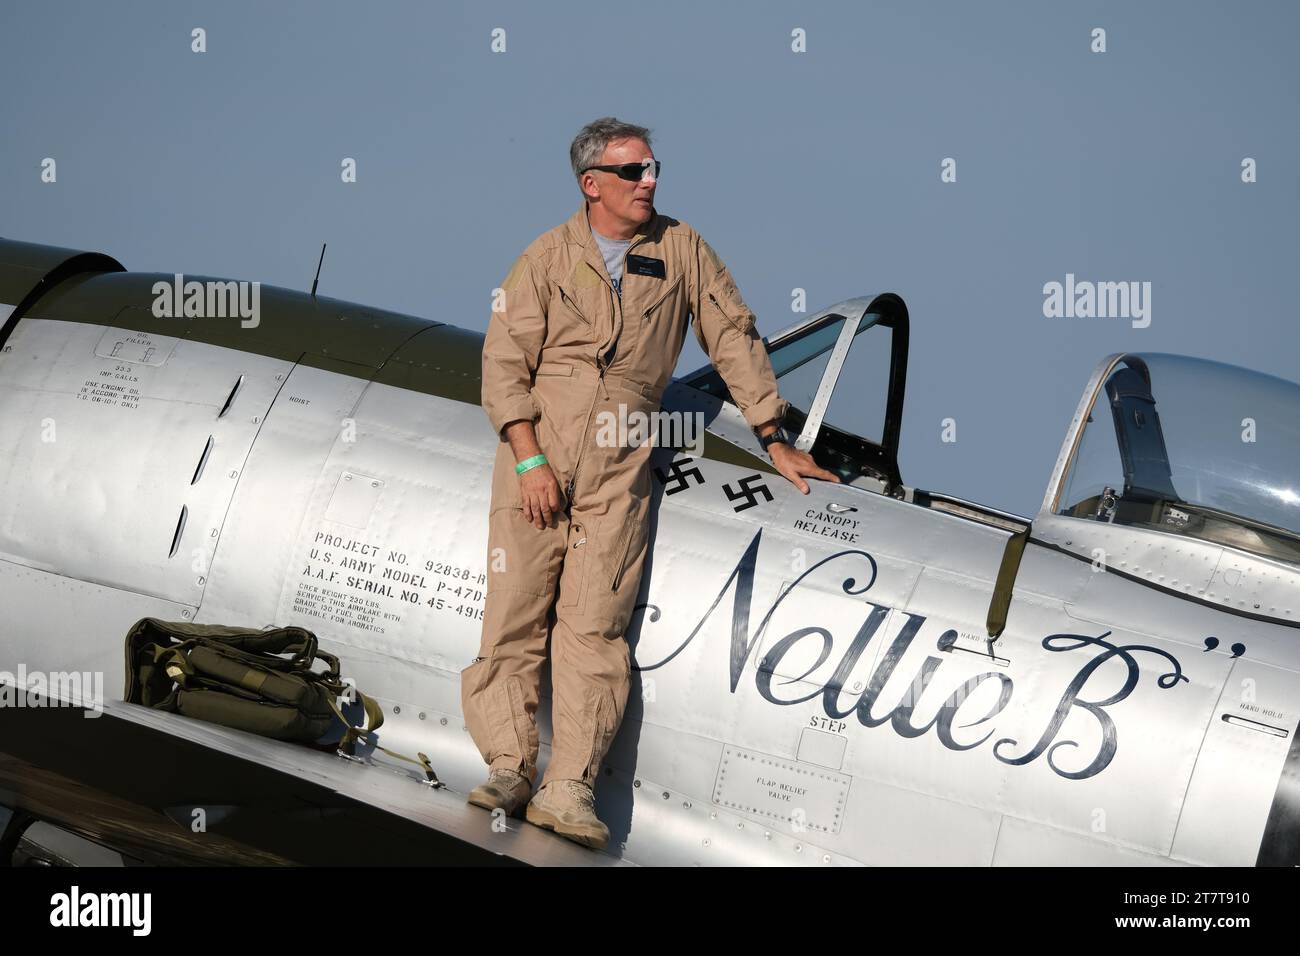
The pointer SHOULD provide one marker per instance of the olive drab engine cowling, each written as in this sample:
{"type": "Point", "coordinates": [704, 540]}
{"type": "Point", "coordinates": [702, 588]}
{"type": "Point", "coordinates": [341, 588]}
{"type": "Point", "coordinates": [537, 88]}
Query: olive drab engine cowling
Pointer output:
{"type": "Point", "coordinates": [562, 349]}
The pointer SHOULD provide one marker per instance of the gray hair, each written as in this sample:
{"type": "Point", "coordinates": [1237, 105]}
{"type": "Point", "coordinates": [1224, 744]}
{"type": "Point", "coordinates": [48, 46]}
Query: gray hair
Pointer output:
{"type": "Point", "coordinates": [589, 145]}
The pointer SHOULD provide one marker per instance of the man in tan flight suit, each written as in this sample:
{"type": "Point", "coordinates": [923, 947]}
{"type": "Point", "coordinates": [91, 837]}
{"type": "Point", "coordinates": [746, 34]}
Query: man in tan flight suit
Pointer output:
{"type": "Point", "coordinates": [568, 340]}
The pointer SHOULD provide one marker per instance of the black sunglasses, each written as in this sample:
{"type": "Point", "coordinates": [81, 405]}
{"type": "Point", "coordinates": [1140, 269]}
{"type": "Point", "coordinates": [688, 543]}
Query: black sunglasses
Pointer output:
{"type": "Point", "coordinates": [629, 171]}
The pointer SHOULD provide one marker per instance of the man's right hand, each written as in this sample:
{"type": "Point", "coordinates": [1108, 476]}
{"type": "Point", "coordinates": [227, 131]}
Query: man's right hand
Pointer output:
{"type": "Point", "coordinates": [538, 486]}
{"type": "Point", "coordinates": [541, 494]}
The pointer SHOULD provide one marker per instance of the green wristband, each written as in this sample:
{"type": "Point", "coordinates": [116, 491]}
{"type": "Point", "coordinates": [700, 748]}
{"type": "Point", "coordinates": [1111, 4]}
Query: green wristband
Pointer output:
{"type": "Point", "coordinates": [529, 463]}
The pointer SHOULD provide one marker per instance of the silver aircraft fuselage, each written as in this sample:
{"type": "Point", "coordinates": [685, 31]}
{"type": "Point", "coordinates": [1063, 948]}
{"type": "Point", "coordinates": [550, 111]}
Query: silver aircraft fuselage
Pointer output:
{"type": "Point", "coordinates": [814, 682]}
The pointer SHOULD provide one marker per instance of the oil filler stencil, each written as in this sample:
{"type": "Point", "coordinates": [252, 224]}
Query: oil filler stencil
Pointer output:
{"type": "Point", "coordinates": [138, 348]}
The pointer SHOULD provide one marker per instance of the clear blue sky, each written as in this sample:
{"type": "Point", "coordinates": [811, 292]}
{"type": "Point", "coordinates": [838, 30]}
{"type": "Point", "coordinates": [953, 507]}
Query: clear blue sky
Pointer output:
{"type": "Point", "coordinates": [817, 170]}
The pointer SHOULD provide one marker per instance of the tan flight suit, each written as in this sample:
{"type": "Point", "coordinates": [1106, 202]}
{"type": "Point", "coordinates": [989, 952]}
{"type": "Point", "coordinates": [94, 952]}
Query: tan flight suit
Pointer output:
{"type": "Point", "coordinates": [547, 358]}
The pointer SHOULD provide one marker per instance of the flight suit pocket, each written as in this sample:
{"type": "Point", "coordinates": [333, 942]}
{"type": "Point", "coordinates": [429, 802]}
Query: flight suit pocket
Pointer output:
{"type": "Point", "coordinates": [582, 537]}
{"type": "Point", "coordinates": [554, 368]}
{"type": "Point", "coordinates": [630, 540]}
{"type": "Point", "coordinates": [669, 289]}
{"type": "Point", "coordinates": [659, 328]}
{"type": "Point", "coordinates": [735, 313]}
{"type": "Point", "coordinates": [577, 304]}
{"type": "Point", "coordinates": [521, 558]}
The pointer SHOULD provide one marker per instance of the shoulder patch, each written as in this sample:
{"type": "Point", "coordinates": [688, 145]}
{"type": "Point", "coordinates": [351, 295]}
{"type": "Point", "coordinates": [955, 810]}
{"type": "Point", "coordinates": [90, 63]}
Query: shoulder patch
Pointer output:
{"type": "Point", "coordinates": [515, 274]}
{"type": "Point", "coordinates": [584, 276]}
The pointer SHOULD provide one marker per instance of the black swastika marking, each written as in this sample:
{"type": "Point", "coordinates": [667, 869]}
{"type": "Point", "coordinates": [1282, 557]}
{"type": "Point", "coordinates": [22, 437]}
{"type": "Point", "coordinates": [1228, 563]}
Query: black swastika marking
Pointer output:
{"type": "Point", "coordinates": [750, 494]}
{"type": "Point", "coordinates": [679, 476]}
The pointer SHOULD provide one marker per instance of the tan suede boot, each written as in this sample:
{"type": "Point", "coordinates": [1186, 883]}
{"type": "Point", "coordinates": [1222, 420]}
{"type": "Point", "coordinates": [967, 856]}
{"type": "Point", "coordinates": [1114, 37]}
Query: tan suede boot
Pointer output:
{"type": "Point", "coordinates": [569, 808]}
{"type": "Point", "coordinates": [504, 789]}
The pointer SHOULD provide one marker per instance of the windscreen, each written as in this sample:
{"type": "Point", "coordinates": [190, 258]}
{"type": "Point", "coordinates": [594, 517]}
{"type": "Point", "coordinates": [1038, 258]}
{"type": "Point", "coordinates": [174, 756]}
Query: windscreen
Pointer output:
{"type": "Point", "coordinates": [1187, 445]}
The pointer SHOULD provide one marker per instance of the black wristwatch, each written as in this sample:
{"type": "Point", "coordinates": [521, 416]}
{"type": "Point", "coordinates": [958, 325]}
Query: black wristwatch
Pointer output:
{"type": "Point", "coordinates": [774, 438]}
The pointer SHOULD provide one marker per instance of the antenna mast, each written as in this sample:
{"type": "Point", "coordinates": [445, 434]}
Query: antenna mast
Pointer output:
{"type": "Point", "coordinates": [318, 265]}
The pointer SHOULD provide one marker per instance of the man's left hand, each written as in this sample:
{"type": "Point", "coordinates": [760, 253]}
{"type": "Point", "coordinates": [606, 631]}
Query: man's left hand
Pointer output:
{"type": "Point", "coordinates": [791, 462]}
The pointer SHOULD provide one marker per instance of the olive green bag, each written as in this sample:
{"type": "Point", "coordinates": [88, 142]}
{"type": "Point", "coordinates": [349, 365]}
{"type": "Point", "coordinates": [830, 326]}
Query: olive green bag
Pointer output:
{"type": "Point", "coordinates": [264, 682]}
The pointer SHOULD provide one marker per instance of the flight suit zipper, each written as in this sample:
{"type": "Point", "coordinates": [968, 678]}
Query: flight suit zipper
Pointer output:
{"type": "Point", "coordinates": [618, 299]}
{"type": "Point", "coordinates": [582, 446]}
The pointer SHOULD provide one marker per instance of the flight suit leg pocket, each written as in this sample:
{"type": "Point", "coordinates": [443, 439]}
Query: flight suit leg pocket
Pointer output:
{"type": "Point", "coordinates": [520, 557]}
{"type": "Point", "coordinates": [624, 581]}
{"type": "Point", "coordinates": [584, 534]}
{"type": "Point", "coordinates": [632, 542]}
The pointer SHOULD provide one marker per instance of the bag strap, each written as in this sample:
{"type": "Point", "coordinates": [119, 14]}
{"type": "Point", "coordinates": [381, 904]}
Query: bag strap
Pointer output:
{"type": "Point", "coordinates": [374, 719]}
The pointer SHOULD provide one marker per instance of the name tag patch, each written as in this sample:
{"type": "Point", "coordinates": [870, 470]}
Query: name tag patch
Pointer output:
{"type": "Point", "coordinates": [645, 266]}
